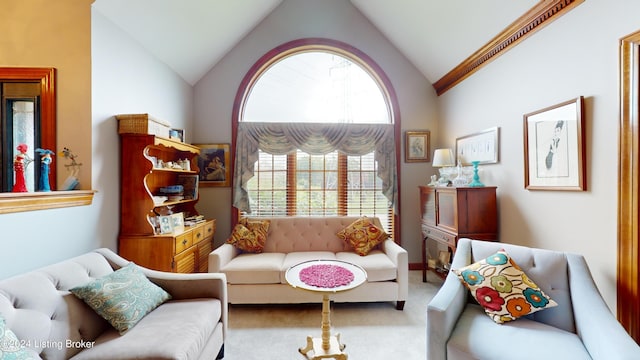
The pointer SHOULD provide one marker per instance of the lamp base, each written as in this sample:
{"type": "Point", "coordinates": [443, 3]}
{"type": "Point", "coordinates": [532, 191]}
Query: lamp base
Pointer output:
{"type": "Point", "coordinates": [476, 178]}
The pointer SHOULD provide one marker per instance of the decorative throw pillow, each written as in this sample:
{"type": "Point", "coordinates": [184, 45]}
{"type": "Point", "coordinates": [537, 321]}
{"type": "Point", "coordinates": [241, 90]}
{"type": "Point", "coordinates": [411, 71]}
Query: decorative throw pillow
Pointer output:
{"type": "Point", "coordinates": [123, 297]}
{"type": "Point", "coordinates": [11, 348]}
{"type": "Point", "coordinates": [362, 235]}
{"type": "Point", "coordinates": [250, 236]}
{"type": "Point", "coordinates": [502, 288]}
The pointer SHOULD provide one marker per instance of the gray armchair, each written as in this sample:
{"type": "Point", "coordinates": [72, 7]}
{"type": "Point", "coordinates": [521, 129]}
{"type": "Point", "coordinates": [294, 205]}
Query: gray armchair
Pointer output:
{"type": "Point", "coordinates": [580, 327]}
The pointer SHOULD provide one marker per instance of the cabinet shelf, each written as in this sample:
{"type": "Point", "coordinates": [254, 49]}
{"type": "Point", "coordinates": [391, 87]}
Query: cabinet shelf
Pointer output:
{"type": "Point", "coordinates": [139, 241]}
{"type": "Point", "coordinates": [174, 171]}
{"type": "Point", "coordinates": [174, 203]}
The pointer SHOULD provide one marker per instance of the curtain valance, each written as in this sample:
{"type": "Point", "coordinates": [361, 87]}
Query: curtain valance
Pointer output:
{"type": "Point", "coordinates": [315, 139]}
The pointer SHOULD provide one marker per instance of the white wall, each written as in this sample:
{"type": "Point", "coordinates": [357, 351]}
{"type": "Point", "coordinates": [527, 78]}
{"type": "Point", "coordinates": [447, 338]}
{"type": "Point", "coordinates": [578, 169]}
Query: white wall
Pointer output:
{"type": "Point", "coordinates": [126, 79]}
{"type": "Point", "coordinates": [338, 20]}
{"type": "Point", "coordinates": [575, 55]}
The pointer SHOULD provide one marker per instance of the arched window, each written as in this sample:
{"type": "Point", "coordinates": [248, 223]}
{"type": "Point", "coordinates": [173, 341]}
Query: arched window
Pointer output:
{"type": "Point", "coordinates": [307, 94]}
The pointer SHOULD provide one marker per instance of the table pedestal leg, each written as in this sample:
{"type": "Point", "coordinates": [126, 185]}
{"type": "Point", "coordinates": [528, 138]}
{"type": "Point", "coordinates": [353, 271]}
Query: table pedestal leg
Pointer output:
{"type": "Point", "coordinates": [328, 346]}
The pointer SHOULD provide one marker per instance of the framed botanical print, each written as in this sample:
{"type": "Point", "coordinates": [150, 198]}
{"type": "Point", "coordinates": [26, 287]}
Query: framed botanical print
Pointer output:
{"type": "Point", "coordinates": [416, 146]}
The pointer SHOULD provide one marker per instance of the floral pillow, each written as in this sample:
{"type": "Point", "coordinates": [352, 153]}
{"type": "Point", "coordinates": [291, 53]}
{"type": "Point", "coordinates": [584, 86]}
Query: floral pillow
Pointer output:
{"type": "Point", "coordinates": [362, 235]}
{"type": "Point", "coordinates": [502, 288]}
{"type": "Point", "coordinates": [11, 348]}
{"type": "Point", "coordinates": [123, 297]}
{"type": "Point", "coordinates": [250, 235]}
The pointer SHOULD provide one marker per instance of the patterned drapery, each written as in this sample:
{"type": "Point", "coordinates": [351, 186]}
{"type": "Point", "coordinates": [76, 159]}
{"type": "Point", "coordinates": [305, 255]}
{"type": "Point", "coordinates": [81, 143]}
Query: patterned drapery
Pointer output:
{"type": "Point", "coordinates": [315, 139]}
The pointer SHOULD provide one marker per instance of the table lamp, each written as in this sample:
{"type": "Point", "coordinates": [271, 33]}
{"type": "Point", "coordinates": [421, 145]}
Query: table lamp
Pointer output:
{"type": "Point", "coordinates": [443, 158]}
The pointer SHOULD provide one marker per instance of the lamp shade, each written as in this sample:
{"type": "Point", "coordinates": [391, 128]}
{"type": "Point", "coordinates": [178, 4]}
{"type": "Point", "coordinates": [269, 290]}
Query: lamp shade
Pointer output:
{"type": "Point", "coordinates": [443, 157]}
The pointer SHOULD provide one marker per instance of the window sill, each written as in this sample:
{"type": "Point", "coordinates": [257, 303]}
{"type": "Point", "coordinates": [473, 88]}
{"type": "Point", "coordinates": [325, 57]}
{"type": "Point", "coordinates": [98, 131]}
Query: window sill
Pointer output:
{"type": "Point", "coordinates": [30, 201]}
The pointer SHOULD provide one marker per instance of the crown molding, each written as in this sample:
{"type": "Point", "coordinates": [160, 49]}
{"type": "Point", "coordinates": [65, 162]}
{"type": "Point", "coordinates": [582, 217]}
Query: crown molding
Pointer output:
{"type": "Point", "coordinates": [542, 14]}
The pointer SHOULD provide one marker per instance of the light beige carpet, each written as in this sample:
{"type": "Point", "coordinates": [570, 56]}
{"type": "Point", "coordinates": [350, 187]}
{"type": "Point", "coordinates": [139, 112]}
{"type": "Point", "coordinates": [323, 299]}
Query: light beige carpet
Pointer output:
{"type": "Point", "coordinates": [371, 331]}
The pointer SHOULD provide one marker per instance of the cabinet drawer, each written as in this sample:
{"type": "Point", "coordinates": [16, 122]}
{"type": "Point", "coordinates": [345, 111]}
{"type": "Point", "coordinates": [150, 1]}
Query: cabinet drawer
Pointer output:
{"type": "Point", "coordinates": [437, 235]}
{"type": "Point", "coordinates": [198, 234]}
{"type": "Point", "coordinates": [209, 228]}
{"type": "Point", "coordinates": [183, 241]}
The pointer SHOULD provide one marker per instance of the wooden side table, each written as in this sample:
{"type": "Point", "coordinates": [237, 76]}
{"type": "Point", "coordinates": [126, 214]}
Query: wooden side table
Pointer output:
{"type": "Point", "coordinates": [327, 346]}
{"type": "Point", "coordinates": [451, 213]}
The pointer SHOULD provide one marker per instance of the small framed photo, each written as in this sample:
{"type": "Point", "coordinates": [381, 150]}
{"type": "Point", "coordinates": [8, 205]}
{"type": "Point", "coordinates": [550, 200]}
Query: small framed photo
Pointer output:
{"type": "Point", "coordinates": [554, 147]}
{"type": "Point", "coordinates": [416, 146]}
{"type": "Point", "coordinates": [165, 224]}
{"type": "Point", "coordinates": [213, 163]}
{"type": "Point", "coordinates": [176, 134]}
{"type": "Point", "coordinates": [483, 146]}
{"type": "Point", "coordinates": [177, 222]}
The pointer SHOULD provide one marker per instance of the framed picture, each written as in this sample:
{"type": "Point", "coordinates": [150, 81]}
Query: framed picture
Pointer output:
{"type": "Point", "coordinates": [165, 224]}
{"type": "Point", "coordinates": [177, 222]}
{"type": "Point", "coordinates": [554, 147]}
{"type": "Point", "coordinates": [176, 134]}
{"type": "Point", "coordinates": [213, 163]}
{"type": "Point", "coordinates": [189, 183]}
{"type": "Point", "coordinates": [483, 146]}
{"type": "Point", "coordinates": [416, 146]}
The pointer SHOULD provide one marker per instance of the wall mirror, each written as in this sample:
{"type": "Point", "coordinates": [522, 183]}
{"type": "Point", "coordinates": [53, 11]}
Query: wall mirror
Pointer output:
{"type": "Point", "coordinates": [28, 108]}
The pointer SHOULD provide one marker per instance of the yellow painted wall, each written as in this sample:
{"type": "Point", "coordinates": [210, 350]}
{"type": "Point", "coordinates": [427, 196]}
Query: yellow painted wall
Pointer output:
{"type": "Point", "coordinates": [45, 33]}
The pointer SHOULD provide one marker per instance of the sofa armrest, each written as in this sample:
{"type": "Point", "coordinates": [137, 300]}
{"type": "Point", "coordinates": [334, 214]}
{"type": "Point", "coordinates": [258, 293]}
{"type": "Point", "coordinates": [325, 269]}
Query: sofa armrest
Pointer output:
{"type": "Point", "coordinates": [182, 286]}
{"type": "Point", "coordinates": [400, 259]}
{"type": "Point", "coordinates": [600, 331]}
{"type": "Point", "coordinates": [221, 256]}
{"type": "Point", "coordinates": [447, 305]}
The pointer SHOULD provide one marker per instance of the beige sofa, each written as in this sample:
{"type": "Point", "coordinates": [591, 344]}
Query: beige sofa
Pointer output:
{"type": "Point", "coordinates": [259, 278]}
{"type": "Point", "coordinates": [54, 324]}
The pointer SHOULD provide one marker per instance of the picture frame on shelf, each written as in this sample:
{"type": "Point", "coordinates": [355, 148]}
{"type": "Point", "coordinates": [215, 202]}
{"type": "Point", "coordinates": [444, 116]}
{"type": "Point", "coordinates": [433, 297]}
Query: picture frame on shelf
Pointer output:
{"type": "Point", "coordinates": [417, 146]}
{"type": "Point", "coordinates": [176, 134]}
{"type": "Point", "coordinates": [483, 146]}
{"type": "Point", "coordinates": [177, 222]}
{"type": "Point", "coordinates": [189, 183]}
{"type": "Point", "coordinates": [554, 147]}
{"type": "Point", "coordinates": [213, 162]}
{"type": "Point", "coordinates": [165, 224]}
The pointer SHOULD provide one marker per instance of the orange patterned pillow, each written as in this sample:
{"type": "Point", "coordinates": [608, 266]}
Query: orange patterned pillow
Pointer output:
{"type": "Point", "coordinates": [259, 227]}
{"type": "Point", "coordinates": [362, 235]}
{"type": "Point", "coordinates": [250, 236]}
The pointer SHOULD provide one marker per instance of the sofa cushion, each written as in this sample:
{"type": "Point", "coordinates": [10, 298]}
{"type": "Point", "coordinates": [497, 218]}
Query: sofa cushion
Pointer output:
{"type": "Point", "coordinates": [123, 297]}
{"type": "Point", "coordinates": [249, 268]}
{"type": "Point", "coordinates": [377, 265]}
{"type": "Point", "coordinates": [246, 240]}
{"type": "Point", "coordinates": [191, 323]}
{"type": "Point", "coordinates": [502, 288]}
{"type": "Point", "coordinates": [527, 339]}
{"type": "Point", "coordinates": [362, 235]}
{"type": "Point", "coordinates": [12, 348]}
{"type": "Point", "coordinates": [303, 256]}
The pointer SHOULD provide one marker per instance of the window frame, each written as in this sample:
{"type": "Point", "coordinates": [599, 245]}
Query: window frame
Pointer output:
{"type": "Point", "coordinates": [327, 45]}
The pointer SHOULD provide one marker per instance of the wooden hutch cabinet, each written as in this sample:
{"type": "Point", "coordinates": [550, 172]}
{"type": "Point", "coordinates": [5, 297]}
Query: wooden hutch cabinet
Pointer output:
{"type": "Point", "coordinates": [451, 213]}
{"type": "Point", "coordinates": [141, 179]}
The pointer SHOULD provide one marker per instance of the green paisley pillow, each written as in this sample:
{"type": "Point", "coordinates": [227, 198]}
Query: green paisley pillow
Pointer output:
{"type": "Point", "coordinates": [123, 297]}
{"type": "Point", "coordinates": [502, 288]}
{"type": "Point", "coordinates": [11, 348]}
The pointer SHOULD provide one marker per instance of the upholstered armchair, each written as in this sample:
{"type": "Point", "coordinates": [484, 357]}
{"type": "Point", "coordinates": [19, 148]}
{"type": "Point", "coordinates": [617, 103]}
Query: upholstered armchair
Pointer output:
{"type": "Point", "coordinates": [581, 326]}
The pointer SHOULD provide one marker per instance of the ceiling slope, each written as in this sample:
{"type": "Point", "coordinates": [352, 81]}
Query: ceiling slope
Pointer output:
{"type": "Point", "coordinates": [192, 36]}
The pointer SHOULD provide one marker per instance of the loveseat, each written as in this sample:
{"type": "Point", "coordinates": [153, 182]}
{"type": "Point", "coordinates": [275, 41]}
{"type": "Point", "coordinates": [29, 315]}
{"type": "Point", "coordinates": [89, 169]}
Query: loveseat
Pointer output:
{"type": "Point", "coordinates": [51, 323]}
{"type": "Point", "coordinates": [259, 278]}
{"type": "Point", "coordinates": [579, 327]}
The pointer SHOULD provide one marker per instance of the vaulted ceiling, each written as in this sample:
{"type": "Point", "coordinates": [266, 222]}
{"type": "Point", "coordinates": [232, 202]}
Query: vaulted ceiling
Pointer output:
{"type": "Point", "coordinates": [192, 36]}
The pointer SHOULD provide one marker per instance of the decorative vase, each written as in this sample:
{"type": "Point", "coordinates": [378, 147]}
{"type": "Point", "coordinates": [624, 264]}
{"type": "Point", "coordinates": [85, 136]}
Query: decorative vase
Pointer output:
{"type": "Point", "coordinates": [476, 178]}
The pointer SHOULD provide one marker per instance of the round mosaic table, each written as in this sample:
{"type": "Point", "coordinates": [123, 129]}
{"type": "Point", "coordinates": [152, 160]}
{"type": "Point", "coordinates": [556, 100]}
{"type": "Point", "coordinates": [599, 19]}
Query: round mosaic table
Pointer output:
{"type": "Point", "coordinates": [325, 277]}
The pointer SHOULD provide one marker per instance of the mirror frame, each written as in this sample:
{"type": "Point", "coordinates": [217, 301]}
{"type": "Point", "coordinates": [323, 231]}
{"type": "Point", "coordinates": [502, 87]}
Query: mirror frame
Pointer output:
{"type": "Point", "coordinates": [18, 202]}
{"type": "Point", "coordinates": [46, 77]}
